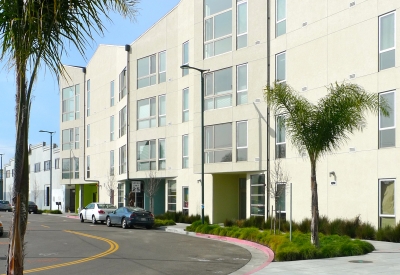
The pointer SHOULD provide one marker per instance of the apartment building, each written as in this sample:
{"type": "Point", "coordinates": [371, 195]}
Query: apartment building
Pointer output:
{"type": "Point", "coordinates": [132, 113]}
{"type": "Point", "coordinates": [39, 178]}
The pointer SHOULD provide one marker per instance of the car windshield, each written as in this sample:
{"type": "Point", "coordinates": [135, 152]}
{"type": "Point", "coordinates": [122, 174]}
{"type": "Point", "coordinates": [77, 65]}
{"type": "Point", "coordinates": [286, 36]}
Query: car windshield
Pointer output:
{"type": "Point", "coordinates": [4, 202]}
{"type": "Point", "coordinates": [135, 209]}
{"type": "Point", "coordinates": [106, 206]}
{"type": "Point", "coordinates": [31, 202]}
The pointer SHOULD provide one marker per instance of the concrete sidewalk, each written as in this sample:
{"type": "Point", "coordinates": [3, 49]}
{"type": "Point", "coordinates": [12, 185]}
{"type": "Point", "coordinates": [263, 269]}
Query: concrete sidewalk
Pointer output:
{"type": "Point", "coordinates": [384, 260]}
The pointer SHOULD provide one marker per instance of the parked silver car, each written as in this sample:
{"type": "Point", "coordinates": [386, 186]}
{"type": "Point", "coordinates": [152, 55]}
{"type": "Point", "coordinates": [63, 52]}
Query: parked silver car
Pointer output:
{"type": "Point", "coordinates": [96, 211]}
{"type": "Point", "coordinates": [5, 206]}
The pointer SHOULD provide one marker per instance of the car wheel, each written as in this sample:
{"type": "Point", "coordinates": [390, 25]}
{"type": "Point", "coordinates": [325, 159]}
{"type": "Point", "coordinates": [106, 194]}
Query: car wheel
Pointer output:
{"type": "Point", "coordinates": [124, 224]}
{"type": "Point", "coordinates": [102, 222]}
{"type": "Point", "coordinates": [82, 220]}
{"type": "Point", "coordinates": [108, 221]}
{"type": "Point", "coordinates": [94, 219]}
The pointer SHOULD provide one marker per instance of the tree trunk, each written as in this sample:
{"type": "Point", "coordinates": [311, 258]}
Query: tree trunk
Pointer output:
{"type": "Point", "coordinates": [314, 206]}
{"type": "Point", "coordinates": [15, 258]}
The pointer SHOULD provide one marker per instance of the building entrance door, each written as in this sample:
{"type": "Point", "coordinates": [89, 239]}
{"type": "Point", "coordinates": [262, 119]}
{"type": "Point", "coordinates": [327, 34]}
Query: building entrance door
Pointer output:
{"type": "Point", "coordinates": [242, 198]}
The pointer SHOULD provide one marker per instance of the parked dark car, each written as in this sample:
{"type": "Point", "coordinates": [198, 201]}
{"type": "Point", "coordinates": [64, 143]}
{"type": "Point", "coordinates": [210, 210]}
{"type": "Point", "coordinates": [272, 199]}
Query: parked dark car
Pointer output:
{"type": "Point", "coordinates": [129, 217]}
{"type": "Point", "coordinates": [5, 206]}
{"type": "Point", "coordinates": [32, 207]}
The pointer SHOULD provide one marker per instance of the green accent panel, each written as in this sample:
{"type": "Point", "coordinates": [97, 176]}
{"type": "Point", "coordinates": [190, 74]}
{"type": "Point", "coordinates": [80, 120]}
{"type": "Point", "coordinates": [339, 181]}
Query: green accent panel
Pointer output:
{"type": "Point", "coordinates": [90, 194]}
{"type": "Point", "coordinates": [225, 197]}
{"type": "Point", "coordinates": [159, 199]}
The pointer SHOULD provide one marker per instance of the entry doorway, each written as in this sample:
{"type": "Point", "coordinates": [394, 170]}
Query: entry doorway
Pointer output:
{"type": "Point", "coordinates": [242, 198]}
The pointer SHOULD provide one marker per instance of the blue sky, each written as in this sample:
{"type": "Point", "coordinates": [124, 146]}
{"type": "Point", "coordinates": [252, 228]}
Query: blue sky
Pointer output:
{"type": "Point", "coordinates": [45, 103]}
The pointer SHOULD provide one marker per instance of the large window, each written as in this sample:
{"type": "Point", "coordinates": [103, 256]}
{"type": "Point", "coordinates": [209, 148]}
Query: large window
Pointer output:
{"type": "Point", "coordinates": [70, 168]}
{"type": "Point", "coordinates": [88, 135]}
{"type": "Point", "coordinates": [185, 57]}
{"type": "Point", "coordinates": [185, 151]}
{"type": "Point", "coordinates": [387, 124]}
{"type": "Point", "coordinates": [121, 194]}
{"type": "Point", "coordinates": [217, 27]}
{"type": "Point", "coordinates": [161, 154]}
{"type": "Point", "coordinates": [280, 138]}
{"type": "Point", "coordinates": [241, 40]}
{"type": "Point", "coordinates": [47, 165]}
{"type": "Point", "coordinates": [257, 195]}
{"type": "Point", "coordinates": [241, 140]}
{"type": "Point", "coordinates": [280, 67]}
{"type": "Point", "coordinates": [172, 195]}
{"type": "Point", "coordinates": [88, 166]}
{"type": "Point", "coordinates": [122, 84]}
{"type": "Point", "coordinates": [67, 139]}
{"type": "Point", "coordinates": [112, 163]}
{"type": "Point", "coordinates": [185, 200]}
{"type": "Point", "coordinates": [280, 198]}
{"type": "Point", "coordinates": [162, 112]}
{"type": "Point", "coordinates": [185, 105]}
{"type": "Point", "coordinates": [387, 41]}
{"type": "Point", "coordinates": [146, 71]}
{"type": "Point", "coordinates": [218, 143]}
{"type": "Point", "coordinates": [122, 122]}
{"type": "Point", "coordinates": [241, 85]}
{"type": "Point", "coordinates": [112, 93]}
{"type": "Point", "coordinates": [280, 17]}
{"type": "Point", "coordinates": [146, 113]}
{"type": "Point", "coordinates": [218, 89]}
{"type": "Point", "coordinates": [387, 201]}
{"type": "Point", "coordinates": [162, 67]}
{"type": "Point", "coordinates": [76, 137]}
{"type": "Point", "coordinates": [111, 128]}
{"type": "Point", "coordinates": [122, 160]}
{"type": "Point", "coordinates": [146, 155]}
{"type": "Point", "coordinates": [57, 163]}
{"type": "Point", "coordinates": [70, 103]}
{"type": "Point", "coordinates": [88, 98]}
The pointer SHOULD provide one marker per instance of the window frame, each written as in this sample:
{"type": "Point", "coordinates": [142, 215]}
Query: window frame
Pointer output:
{"type": "Point", "coordinates": [122, 160]}
{"type": "Point", "coordinates": [149, 118]}
{"type": "Point", "coordinates": [112, 163]}
{"type": "Point", "coordinates": [150, 74]}
{"type": "Point", "coordinates": [88, 135]}
{"type": "Point", "coordinates": [88, 166]}
{"type": "Point", "coordinates": [185, 45]}
{"type": "Point", "coordinates": [380, 52]}
{"type": "Point", "coordinates": [380, 215]}
{"type": "Point", "coordinates": [260, 183]}
{"type": "Point", "coordinates": [67, 145]}
{"type": "Point", "coordinates": [162, 116]}
{"type": "Point", "coordinates": [112, 128]}
{"type": "Point", "coordinates": [380, 129]}
{"type": "Point", "coordinates": [214, 96]}
{"type": "Point", "coordinates": [277, 68]}
{"type": "Point", "coordinates": [162, 159]}
{"type": "Point", "coordinates": [185, 155]}
{"type": "Point", "coordinates": [238, 35]}
{"type": "Point", "coordinates": [278, 144]}
{"type": "Point", "coordinates": [185, 110]}
{"type": "Point", "coordinates": [171, 198]}
{"type": "Point", "coordinates": [237, 140]}
{"type": "Point", "coordinates": [210, 150]}
{"type": "Point", "coordinates": [88, 98]}
{"type": "Point", "coordinates": [164, 72]}
{"type": "Point", "coordinates": [151, 160]}
{"type": "Point", "coordinates": [245, 91]}
{"type": "Point", "coordinates": [112, 93]}
{"type": "Point", "coordinates": [122, 130]}
{"type": "Point", "coordinates": [281, 20]}
{"type": "Point", "coordinates": [122, 84]}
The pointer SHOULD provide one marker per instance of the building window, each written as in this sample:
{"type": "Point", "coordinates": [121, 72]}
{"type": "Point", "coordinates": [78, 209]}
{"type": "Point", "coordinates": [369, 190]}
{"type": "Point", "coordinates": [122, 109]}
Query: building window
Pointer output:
{"type": "Point", "coordinates": [76, 137]}
{"type": "Point", "coordinates": [146, 113]}
{"type": "Point", "coordinates": [162, 117]}
{"type": "Point", "coordinates": [47, 165]}
{"type": "Point", "coordinates": [280, 198]}
{"type": "Point", "coordinates": [172, 195]}
{"type": "Point", "coordinates": [122, 84]}
{"type": "Point", "coordinates": [241, 40]}
{"type": "Point", "coordinates": [185, 200]}
{"type": "Point", "coordinates": [218, 89]}
{"type": "Point", "coordinates": [387, 41]}
{"type": "Point", "coordinates": [280, 138]}
{"type": "Point", "coordinates": [387, 215]}
{"type": "Point", "coordinates": [67, 139]}
{"type": "Point", "coordinates": [217, 27]}
{"type": "Point", "coordinates": [70, 168]}
{"type": "Point", "coordinates": [88, 135]}
{"type": "Point", "coordinates": [241, 140]}
{"type": "Point", "coordinates": [146, 155]}
{"type": "Point", "coordinates": [257, 195]}
{"type": "Point", "coordinates": [122, 160]}
{"type": "Point", "coordinates": [122, 122]}
{"type": "Point", "coordinates": [241, 85]}
{"type": "Point", "coordinates": [47, 196]}
{"type": "Point", "coordinates": [76, 167]}
{"type": "Point", "coordinates": [161, 154]}
{"type": "Point", "coordinates": [7, 173]}
{"type": "Point", "coordinates": [88, 98]}
{"type": "Point", "coordinates": [185, 57]}
{"type": "Point", "coordinates": [111, 128]}
{"type": "Point", "coordinates": [88, 166]}
{"type": "Point", "coordinates": [57, 163]}
{"type": "Point", "coordinates": [121, 194]}
{"type": "Point", "coordinates": [37, 167]}
{"type": "Point", "coordinates": [162, 67]}
{"type": "Point", "coordinates": [146, 71]}
{"type": "Point", "coordinates": [70, 103]}
{"type": "Point", "coordinates": [112, 163]}
{"type": "Point", "coordinates": [112, 93]}
{"type": "Point", "coordinates": [185, 105]}
{"type": "Point", "coordinates": [185, 151]}
{"type": "Point", "coordinates": [280, 17]}
{"type": "Point", "coordinates": [218, 143]}
{"type": "Point", "coordinates": [280, 67]}
{"type": "Point", "coordinates": [387, 124]}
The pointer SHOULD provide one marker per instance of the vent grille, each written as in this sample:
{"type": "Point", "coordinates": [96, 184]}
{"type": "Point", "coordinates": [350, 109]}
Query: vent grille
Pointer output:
{"type": "Point", "coordinates": [256, 159]}
{"type": "Point", "coordinates": [304, 24]}
{"type": "Point", "coordinates": [257, 42]}
{"type": "Point", "coordinates": [257, 100]}
{"type": "Point", "coordinates": [352, 149]}
{"type": "Point", "coordinates": [352, 76]}
{"type": "Point", "coordinates": [304, 89]}
{"type": "Point", "coordinates": [352, 4]}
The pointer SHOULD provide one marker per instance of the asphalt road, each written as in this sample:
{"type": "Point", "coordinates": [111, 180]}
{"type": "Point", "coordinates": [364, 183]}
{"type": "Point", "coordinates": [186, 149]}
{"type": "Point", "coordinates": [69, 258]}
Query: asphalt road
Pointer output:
{"type": "Point", "coordinates": [60, 245]}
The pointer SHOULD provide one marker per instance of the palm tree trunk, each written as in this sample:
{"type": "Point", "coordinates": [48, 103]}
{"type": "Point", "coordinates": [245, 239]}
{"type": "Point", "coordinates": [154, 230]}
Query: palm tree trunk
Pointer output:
{"type": "Point", "coordinates": [15, 261]}
{"type": "Point", "coordinates": [314, 206]}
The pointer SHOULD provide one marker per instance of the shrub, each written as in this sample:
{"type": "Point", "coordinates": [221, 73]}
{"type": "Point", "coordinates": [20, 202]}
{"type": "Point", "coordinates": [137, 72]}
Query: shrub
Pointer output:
{"type": "Point", "coordinates": [158, 223]}
{"type": "Point", "coordinates": [180, 217]}
{"type": "Point", "coordinates": [389, 234]}
{"type": "Point", "coordinates": [50, 211]}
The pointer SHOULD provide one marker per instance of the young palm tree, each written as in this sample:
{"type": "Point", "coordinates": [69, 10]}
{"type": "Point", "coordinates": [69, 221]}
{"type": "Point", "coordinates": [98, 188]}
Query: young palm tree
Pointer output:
{"type": "Point", "coordinates": [324, 127]}
{"type": "Point", "coordinates": [34, 33]}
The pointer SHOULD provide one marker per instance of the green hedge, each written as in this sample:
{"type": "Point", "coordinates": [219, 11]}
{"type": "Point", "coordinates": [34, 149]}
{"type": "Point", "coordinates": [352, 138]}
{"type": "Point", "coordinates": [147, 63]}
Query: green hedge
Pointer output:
{"type": "Point", "coordinates": [181, 218]}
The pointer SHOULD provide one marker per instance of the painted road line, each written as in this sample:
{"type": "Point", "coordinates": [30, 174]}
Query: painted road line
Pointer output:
{"type": "Point", "coordinates": [113, 247]}
{"type": "Point", "coordinates": [45, 226]}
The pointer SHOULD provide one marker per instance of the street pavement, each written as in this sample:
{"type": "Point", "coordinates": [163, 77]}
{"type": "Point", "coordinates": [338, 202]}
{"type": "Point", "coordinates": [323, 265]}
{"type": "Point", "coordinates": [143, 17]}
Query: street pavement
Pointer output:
{"type": "Point", "coordinates": [384, 260]}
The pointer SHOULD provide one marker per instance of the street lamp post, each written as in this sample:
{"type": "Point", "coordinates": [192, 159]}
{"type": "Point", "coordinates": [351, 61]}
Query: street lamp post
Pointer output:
{"type": "Point", "coordinates": [51, 164]}
{"type": "Point", "coordinates": [202, 71]}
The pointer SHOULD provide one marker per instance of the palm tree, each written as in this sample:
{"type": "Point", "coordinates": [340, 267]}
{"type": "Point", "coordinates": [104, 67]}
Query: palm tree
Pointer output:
{"type": "Point", "coordinates": [34, 33]}
{"type": "Point", "coordinates": [324, 127]}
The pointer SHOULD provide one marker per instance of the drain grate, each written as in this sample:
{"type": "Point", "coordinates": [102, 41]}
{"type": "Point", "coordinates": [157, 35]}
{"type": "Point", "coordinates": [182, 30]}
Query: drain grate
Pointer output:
{"type": "Point", "coordinates": [360, 262]}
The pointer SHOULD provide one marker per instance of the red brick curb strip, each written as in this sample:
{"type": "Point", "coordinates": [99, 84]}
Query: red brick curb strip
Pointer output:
{"type": "Point", "coordinates": [73, 217]}
{"type": "Point", "coordinates": [263, 248]}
